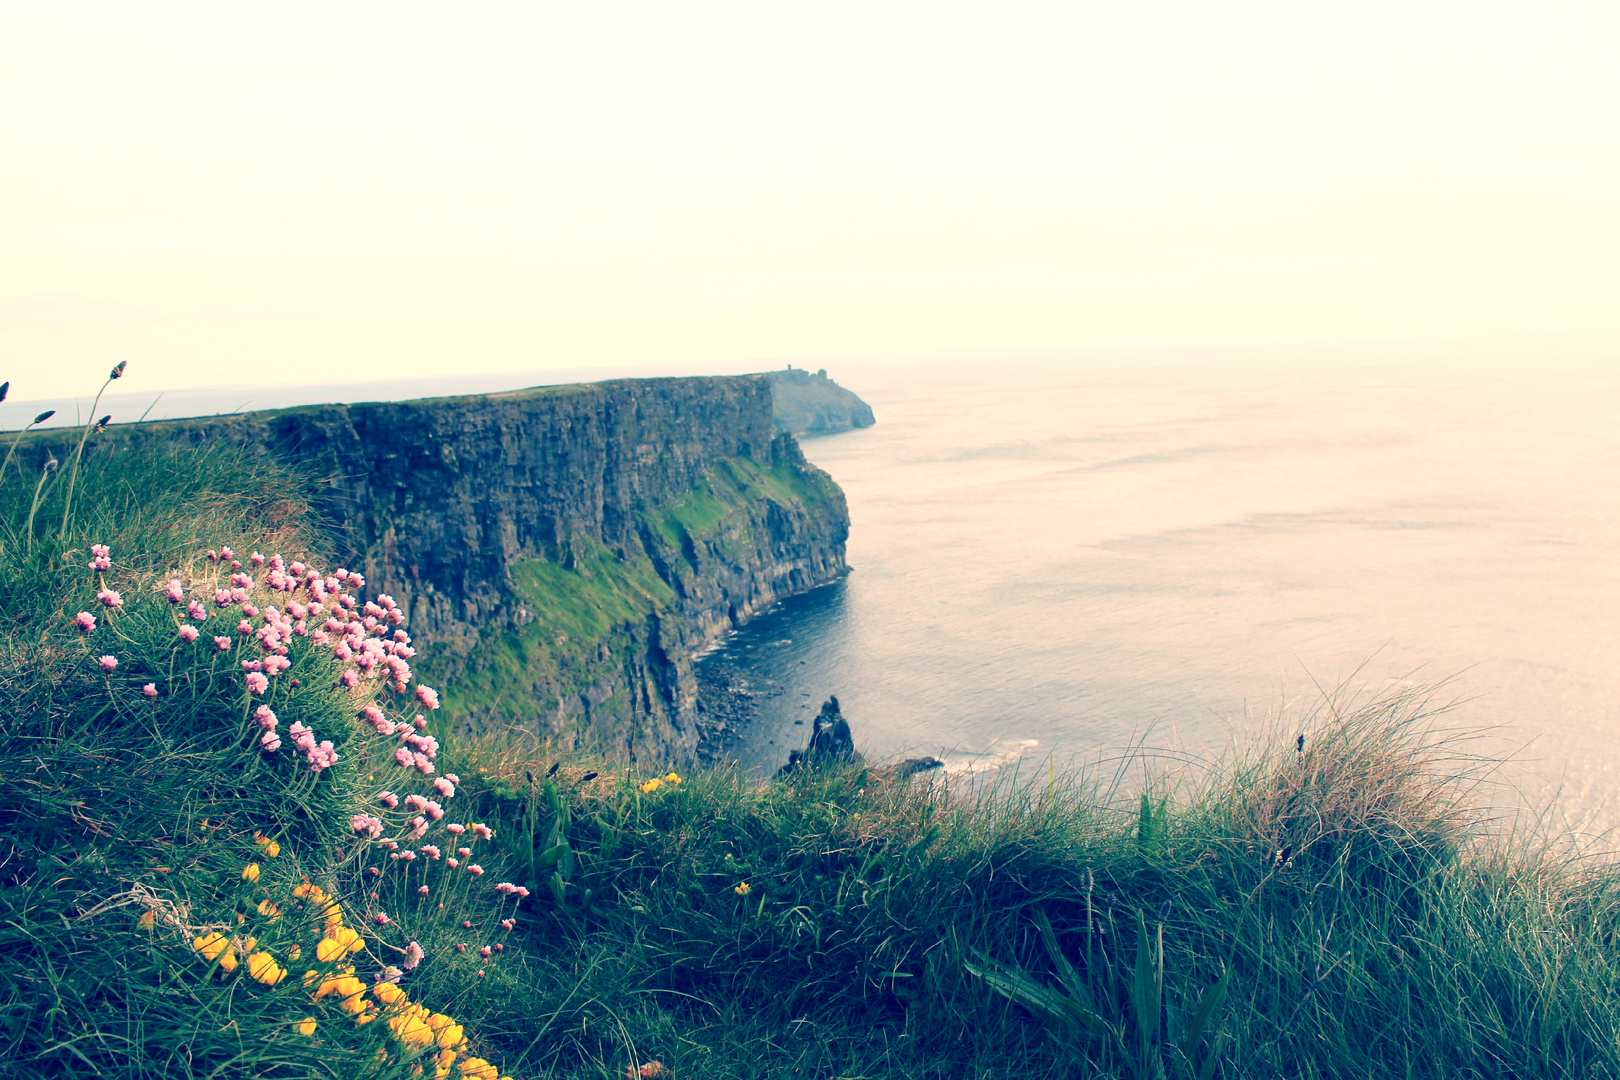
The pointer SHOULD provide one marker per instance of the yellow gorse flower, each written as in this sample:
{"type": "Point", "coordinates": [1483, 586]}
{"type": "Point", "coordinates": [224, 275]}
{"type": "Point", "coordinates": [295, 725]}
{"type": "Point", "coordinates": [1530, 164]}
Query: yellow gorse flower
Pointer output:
{"type": "Point", "coordinates": [741, 888]}
{"type": "Point", "coordinates": [263, 967]}
{"type": "Point", "coordinates": [651, 786]}
{"type": "Point", "coordinates": [478, 1069]}
{"type": "Point", "coordinates": [271, 848]}
{"type": "Point", "coordinates": [147, 921]}
{"type": "Point", "coordinates": [269, 910]}
{"type": "Point", "coordinates": [306, 1026]}
{"type": "Point", "coordinates": [250, 872]}
{"type": "Point", "coordinates": [441, 1064]}
{"type": "Point", "coordinates": [672, 778]}
{"type": "Point", "coordinates": [211, 945]}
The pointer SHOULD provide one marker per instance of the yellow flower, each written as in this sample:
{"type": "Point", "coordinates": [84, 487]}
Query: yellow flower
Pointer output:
{"type": "Point", "coordinates": [263, 966]}
{"type": "Point", "coordinates": [271, 848]}
{"type": "Point", "coordinates": [294, 952]}
{"type": "Point", "coordinates": [269, 909]}
{"type": "Point", "coordinates": [741, 888]}
{"type": "Point", "coordinates": [210, 945]}
{"type": "Point", "coordinates": [306, 1026]}
{"type": "Point", "coordinates": [672, 778]}
{"type": "Point", "coordinates": [651, 786]}
{"type": "Point", "coordinates": [389, 993]}
{"type": "Point", "coordinates": [441, 1064]}
{"type": "Point", "coordinates": [250, 872]}
{"type": "Point", "coordinates": [147, 921]}
{"type": "Point", "coordinates": [366, 1016]}
{"type": "Point", "coordinates": [478, 1069]}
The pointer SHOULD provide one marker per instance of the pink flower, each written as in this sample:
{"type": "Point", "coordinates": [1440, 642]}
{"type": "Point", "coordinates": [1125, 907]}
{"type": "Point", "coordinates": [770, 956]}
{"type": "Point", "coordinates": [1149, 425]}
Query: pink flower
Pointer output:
{"type": "Point", "coordinates": [461, 947]}
{"type": "Point", "coordinates": [422, 890]}
{"type": "Point", "coordinates": [428, 696]}
{"type": "Point", "coordinates": [244, 627]}
{"type": "Point", "coordinates": [419, 827]}
{"type": "Point", "coordinates": [451, 863]}
{"type": "Point", "coordinates": [415, 951]}
{"type": "Point", "coordinates": [270, 741]}
{"type": "Point", "coordinates": [225, 553]}
{"type": "Point", "coordinates": [85, 621]}
{"type": "Point", "coordinates": [382, 919]}
{"type": "Point", "coordinates": [403, 757]}
{"type": "Point", "coordinates": [188, 632]}
{"type": "Point", "coordinates": [507, 924]}
{"type": "Point", "coordinates": [475, 870]}
{"type": "Point", "coordinates": [423, 765]}
{"type": "Point", "coordinates": [365, 823]}
{"type": "Point", "coordinates": [434, 811]}
{"type": "Point", "coordinates": [108, 663]}
{"type": "Point", "coordinates": [430, 851]}
{"type": "Point", "coordinates": [455, 830]}
{"type": "Point", "coordinates": [256, 559]}
{"type": "Point", "coordinates": [499, 947]}
{"type": "Point", "coordinates": [175, 592]}
{"type": "Point", "coordinates": [483, 832]}
{"type": "Point", "coordinates": [150, 690]}
{"type": "Point", "coordinates": [197, 611]}
{"type": "Point", "coordinates": [266, 717]}
{"type": "Point", "coordinates": [486, 950]}
{"type": "Point", "coordinates": [110, 598]}
{"type": "Point", "coordinates": [222, 643]}
{"type": "Point", "coordinates": [521, 891]}
{"type": "Point", "coordinates": [257, 683]}
{"type": "Point", "coordinates": [505, 886]}
{"type": "Point", "coordinates": [349, 678]}
{"type": "Point", "coordinates": [388, 799]}
{"type": "Point", "coordinates": [464, 852]}
{"type": "Point", "coordinates": [101, 551]}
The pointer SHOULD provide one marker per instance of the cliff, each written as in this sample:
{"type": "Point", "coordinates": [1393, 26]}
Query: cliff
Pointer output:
{"type": "Point", "coordinates": [563, 551]}
{"type": "Point", "coordinates": [807, 404]}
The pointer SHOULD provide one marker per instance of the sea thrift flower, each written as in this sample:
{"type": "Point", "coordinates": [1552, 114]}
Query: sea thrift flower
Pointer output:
{"type": "Point", "coordinates": [85, 621]}
{"type": "Point", "coordinates": [382, 919]}
{"type": "Point", "coordinates": [464, 852]}
{"type": "Point", "coordinates": [257, 683]}
{"type": "Point", "coordinates": [150, 690]}
{"type": "Point", "coordinates": [388, 799]}
{"type": "Point", "coordinates": [108, 663]}
{"type": "Point", "coordinates": [486, 950]}
{"type": "Point", "coordinates": [256, 559]}
{"type": "Point", "coordinates": [349, 679]}
{"type": "Point", "coordinates": [403, 757]}
{"type": "Point", "coordinates": [244, 627]}
{"type": "Point", "coordinates": [266, 717]}
{"type": "Point", "coordinates": [175, 592]}
{"type": "Point", "coordinates": [521, 891]}
{"type": "Point", "coordinates": [270, 741]}
{"type": "Point", "coordinates": [507, 924]}
{"type": "Point", "coordinates": [430, 851]}
{"type": "Point", "coordinates": [455, 830]}
{"type": "Point", "coordinates": [461, 948]}
{"type": "Point", "coordinates": [188, 633]}
{"type": "Point", "coordinates": [110, 598]}
{"type": "Point", "coordinates": [452, 863]}
{"type": "Point", "coordinates": [428, 696]}
{"type": "Point", "coordinates": [423, 765]}
{"type": "Point", "coordinates": [483, 832]}
{"type": "Point", "coordinates": [415, 951]}
{"type": "Point", "coordinates": [365, 823]}
{"type": "Point", "coordinates": [475, 870]}
{"type": "Point", "coordinates": [422, 890]}
{"type": "Point", "coordinates": [196, 611]}
{"type": "Point", "coordinates": [222, 643]}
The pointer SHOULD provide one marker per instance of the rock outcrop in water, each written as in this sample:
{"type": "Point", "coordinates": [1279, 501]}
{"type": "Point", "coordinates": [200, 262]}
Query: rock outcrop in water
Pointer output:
{"type": "Point", "coordinates": [563, 551]}
{"type": "Point", "coordinates": [809, 404]}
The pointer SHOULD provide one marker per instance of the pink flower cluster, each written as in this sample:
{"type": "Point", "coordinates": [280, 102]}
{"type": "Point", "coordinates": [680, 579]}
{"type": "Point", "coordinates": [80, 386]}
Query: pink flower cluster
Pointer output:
{"type": "Point", "coordinates": [415, 955]}
{"type": "Point", "coordinates": [320, 757]}
{"type": "Point", "coordinates": [515, 890]}
{"type": "Point", "coordinates": [267, 720]}
{"type": "Point", "coordinates": [85, 621]}
{"type": "Point", "coordinates": [365, 823]}
{"type": "Point", "coordinates": [101, 557]}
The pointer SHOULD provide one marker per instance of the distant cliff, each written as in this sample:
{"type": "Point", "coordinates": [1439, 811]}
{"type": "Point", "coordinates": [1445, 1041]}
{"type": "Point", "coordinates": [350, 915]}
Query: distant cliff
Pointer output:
{"type": "Point", "coordinates": [563, 551]}
{"type": "Point", "coordinates": [807, 404]}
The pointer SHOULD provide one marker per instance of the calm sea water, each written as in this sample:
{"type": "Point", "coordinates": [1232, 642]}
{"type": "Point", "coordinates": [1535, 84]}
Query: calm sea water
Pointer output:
{"type": "Point", "coordinates": [1057, 558]}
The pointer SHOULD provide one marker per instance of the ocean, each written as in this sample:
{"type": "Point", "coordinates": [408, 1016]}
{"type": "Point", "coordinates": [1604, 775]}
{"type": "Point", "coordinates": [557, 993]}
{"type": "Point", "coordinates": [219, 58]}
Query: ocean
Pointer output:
{"type": "Point", "coordinates": [1056, 557]}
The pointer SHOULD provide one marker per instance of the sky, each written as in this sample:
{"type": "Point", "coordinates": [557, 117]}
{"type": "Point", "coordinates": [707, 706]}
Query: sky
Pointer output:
{"type": "Point", "coordinates": [342, 192]}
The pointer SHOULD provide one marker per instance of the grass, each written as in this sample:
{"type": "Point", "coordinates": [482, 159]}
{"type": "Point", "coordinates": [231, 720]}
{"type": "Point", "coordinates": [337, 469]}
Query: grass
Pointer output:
{"type": "Point", "coordinates": [1345, 907]}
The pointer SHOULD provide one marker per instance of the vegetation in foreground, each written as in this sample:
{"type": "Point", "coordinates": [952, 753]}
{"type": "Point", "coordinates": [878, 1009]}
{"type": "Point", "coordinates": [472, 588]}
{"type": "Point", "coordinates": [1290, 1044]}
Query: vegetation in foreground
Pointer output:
{"type": "Point", "coordinates": [1335, 907]}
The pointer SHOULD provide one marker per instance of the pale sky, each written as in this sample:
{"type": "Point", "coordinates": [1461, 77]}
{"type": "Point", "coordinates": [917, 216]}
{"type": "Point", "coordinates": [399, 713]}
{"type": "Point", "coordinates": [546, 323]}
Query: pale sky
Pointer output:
{"type": "Point", "coordinates": [223, 193]}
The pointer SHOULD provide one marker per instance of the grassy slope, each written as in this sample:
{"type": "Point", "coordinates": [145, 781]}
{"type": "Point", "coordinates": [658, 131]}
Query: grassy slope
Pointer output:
{"type": "Point", "coordinates": [589, 606]}
{"type": "Point", "coordinates": [1400, 939]}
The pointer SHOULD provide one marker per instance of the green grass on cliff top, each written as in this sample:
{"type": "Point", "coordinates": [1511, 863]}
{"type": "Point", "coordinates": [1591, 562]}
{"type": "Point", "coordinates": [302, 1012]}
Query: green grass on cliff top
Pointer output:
{"type": "Point", "coordinates": [826, 926]}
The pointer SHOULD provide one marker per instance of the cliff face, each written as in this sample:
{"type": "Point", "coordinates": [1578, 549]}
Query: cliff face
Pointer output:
{"type": "Point", "coordinates": [563, 551]}
{"type": "Point", "coordinates": [807, 404]}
